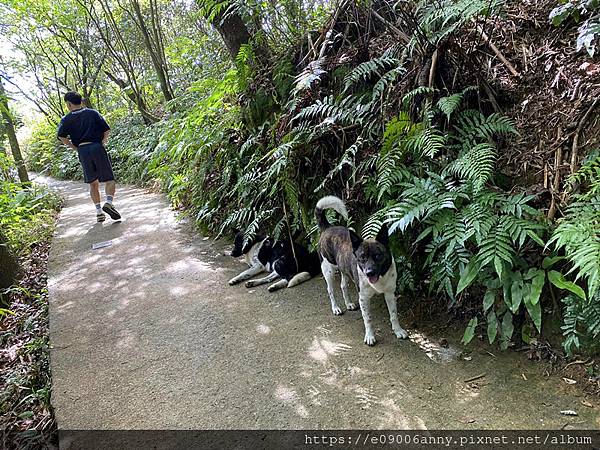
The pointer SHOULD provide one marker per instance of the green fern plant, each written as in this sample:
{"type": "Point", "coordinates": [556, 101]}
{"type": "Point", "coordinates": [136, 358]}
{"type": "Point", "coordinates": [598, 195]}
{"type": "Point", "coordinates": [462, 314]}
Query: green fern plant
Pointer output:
{"type": "Point", "coordinates": [581, 321]}
{"type": "Point", "coordinates": [435, 184]}
{"type": "Point", "coordinates": [376, 67]}
{"type": "Point", "coordinates": [578, 232]}
{"type": "Point", "coordinates": [438, 20]}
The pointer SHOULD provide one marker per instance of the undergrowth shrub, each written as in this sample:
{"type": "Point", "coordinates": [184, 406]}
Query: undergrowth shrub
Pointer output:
{"type": "Point", "coordinates": [195, 155]}
{"type": "Point", "coordinates": [131, 146]}
{"type": "Point", "coordinates": [46, 154]}
{"type": "Point", "coordinates": [435, 184]}
{"type": "Point", "coordinates": [577, 240]}
{"type": "Point", "coordinates": [26, 210]}
{"type": "Point", "coordinates": [27, 222]}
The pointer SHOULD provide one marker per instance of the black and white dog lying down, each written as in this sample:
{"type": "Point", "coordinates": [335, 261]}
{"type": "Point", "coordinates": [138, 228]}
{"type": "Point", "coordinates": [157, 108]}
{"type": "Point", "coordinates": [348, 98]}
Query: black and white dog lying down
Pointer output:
{"type": "Point", "coordinates": [368, 263]}
{"type": "Point", "coordinates": [294, 265]}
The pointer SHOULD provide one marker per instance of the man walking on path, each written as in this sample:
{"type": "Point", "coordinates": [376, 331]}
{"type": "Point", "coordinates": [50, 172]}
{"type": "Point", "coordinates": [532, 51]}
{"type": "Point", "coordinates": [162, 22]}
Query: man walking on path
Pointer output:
{"type": "Point", "coordinates": [85, 130]}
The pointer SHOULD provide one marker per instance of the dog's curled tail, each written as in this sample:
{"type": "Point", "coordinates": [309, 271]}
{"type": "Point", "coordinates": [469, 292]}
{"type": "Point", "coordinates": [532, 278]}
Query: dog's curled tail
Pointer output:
{"type": "Point", "coordinates": [329, 202]}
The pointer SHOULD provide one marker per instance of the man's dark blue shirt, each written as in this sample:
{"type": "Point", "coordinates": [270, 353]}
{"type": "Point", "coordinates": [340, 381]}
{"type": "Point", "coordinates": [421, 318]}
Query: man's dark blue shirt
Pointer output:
{"type": "Point", "coordinates": [83, 125]}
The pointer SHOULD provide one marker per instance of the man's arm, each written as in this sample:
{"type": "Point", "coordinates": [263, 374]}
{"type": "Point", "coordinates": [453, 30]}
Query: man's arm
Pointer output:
{"type": "Point", "coordinates": [67, 142]}
{"type": "Point", "coordinates": [103, 127]}
{"type": "Point", "coordinates": [105, 137]}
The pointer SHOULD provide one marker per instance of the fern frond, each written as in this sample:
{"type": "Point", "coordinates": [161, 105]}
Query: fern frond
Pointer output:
{"type": "Point", "coordinates": [497, 246]}
{"type": "Point", "coordinates": [311, 74]}
{"type": "Point", "coordinates": [450, 104]}
{"type": "Point", "coordinates": [421, 198]}
{"type": "Point", "coordinates": [591, 316]}
{"type": "Point", "coordinates": [421, 90]}
{"type": "Point", "coordinates": [386, 81]}
{"type": "Point", "coordinates": [347, 159]}
{"type": "Point", "coordinates": [476, 164]}
{"type": "Point", "coordinates": [438, 20]}
{"type": "Point", "coordinates": [579, 235]}
{"type": "Point", "coordinates": [374, 224]}
{"type": "Point", "coordinates": [473, 127]}
{"type": "Point", "coordinates": [587, 175]}
{"type": "Point", "coordinates": [427, 142]}
{"type": "Point", "coordinates": [366, 70]}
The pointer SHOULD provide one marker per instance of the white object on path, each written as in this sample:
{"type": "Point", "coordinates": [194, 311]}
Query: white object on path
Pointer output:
{"type": "Point", "coordinates": [101, 245]}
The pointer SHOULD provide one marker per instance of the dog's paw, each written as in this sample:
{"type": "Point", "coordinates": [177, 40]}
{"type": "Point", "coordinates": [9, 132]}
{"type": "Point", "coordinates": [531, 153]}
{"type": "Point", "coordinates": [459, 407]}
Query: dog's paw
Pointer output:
{"type": "Point", "coordinates": [352, 307]}
{"type": "Point", "coordinates": [370, 339]}
{"type": "Point", "coordinates": [337, 311]}
{"type": "Point", "coordinates": [401, 333]}
{"type": "Point", "coordinates": [249, 284]}
{"type": "Point", "coordinates": [271, 289]}
{"type": "Point", "coordinates": [232, 282]}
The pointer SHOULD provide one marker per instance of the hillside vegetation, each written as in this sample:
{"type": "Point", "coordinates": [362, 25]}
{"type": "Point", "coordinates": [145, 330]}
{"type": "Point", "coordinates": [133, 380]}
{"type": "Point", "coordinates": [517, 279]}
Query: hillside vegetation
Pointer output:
{"type": "Point", "coordinates": [469, 127]}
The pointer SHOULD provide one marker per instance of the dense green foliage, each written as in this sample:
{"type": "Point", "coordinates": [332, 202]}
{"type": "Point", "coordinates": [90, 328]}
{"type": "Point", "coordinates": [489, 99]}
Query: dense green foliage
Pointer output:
{"type": "Point", "coordinates": [27, 221]}
{"type": "Point", "coordinates": [578, 236]}
{"type": "Point", "coordinates": [26, 211]}
{"type": "Point", "coordinates": [45, 155]}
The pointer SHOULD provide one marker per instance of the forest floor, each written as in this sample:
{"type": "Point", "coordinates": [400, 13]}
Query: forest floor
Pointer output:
{"type": "Point", "coordinates": [146, 334]}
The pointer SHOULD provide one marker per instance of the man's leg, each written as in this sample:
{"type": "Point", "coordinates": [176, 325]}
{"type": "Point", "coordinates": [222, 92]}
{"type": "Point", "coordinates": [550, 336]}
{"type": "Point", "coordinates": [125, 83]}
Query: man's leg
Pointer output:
{"type": "Point", "coordinates": [95, 191]}
{"type": "Point", "coordinates": [105, 174]}
{"type": "Point", "coordinates": [95, 195]}
{"type": "Point", "coordinates": [110, 188]}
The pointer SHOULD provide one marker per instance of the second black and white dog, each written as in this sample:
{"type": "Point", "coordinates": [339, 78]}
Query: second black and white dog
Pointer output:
{"type": "Point", "coordinates": [368, 263]}
{"type": "Point", "coordinates": [294, 264]}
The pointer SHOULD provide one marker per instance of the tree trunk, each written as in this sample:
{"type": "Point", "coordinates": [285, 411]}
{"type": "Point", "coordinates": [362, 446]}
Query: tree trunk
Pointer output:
{"type": "Point", "coordinates": [158, 61]}
{"type": "Point", "coordinates": [233, 30]}
{"type": "Point", "coordinates": [9, 126]}
{"type": "Point", "coordinates": [117, 47]}
{"type": "Point", "coordinates": [135, 98]}
{"type": "Point", "coordinates": [8, 265]}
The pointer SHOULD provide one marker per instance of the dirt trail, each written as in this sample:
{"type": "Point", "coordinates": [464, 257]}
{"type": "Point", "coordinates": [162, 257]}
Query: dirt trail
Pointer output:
{"type": "Point", "coordinates": [147, 334]}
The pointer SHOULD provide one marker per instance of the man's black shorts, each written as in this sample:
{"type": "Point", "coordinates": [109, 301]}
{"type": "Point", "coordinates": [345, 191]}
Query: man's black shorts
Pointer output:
{"type": "Point", "coordinates": [95, 162]}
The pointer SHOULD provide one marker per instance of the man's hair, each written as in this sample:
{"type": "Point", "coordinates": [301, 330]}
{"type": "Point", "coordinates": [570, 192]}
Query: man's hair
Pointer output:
{"type": "Point", "coordinates": [73, 97]}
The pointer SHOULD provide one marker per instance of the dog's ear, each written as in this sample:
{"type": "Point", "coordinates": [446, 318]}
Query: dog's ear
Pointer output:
{"type": "Point", "coordinates": [356, 240]}
{"type": "Point", "coordinates": [383, 237]}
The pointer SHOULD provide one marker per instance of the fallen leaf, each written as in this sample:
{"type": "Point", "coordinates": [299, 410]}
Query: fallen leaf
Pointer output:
{"type": "Point", "coordinates": [586, 403]}
{"type": "Point", "coordinates": [569, 380]}
{"type": "Point", "coordinates": [569, 412]}
{"type": "Point", "coordinates": [524, 377]}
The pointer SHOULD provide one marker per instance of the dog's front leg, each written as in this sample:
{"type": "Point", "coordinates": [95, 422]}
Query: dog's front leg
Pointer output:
{"type": "Point", "coordinates": [271, 277]}
{"type": "Point", "coordinates": [249, 273]}
{"type": "Point", "coordinates": [390, 299]}
{"type": "Point", "coordinates": [364, 299]}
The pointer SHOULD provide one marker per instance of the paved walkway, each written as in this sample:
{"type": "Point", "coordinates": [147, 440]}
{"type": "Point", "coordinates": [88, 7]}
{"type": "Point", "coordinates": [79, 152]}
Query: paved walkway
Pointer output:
{"type": "Point", "coordinates": [147, 334]}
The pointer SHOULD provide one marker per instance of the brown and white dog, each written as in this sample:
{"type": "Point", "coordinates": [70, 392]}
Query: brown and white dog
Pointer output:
{"type": "Point", "coordinates": [368, 263]}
